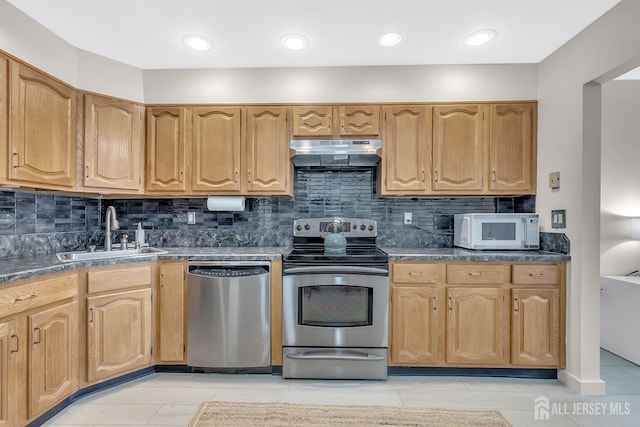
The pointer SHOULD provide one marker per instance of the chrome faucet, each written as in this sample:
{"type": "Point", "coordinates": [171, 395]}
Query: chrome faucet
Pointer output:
{"type": "Point", "coordinates": [111, 224]}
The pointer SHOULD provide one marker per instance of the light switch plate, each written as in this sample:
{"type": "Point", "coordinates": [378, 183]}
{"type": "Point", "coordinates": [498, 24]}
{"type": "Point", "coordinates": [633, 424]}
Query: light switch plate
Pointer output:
{"type": "Point", "coordinates": [559, 219]}
{"type": "Point", "coordinates": [554, 180]}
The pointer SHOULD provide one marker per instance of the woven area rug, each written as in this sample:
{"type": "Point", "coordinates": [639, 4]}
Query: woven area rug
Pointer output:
{"type": "Point", "coordinates": [289, 414]}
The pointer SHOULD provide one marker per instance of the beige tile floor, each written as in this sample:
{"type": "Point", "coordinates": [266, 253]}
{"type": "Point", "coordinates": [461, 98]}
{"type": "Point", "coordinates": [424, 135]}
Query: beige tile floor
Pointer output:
{"type": "Point", "coordinates": [168, 399]}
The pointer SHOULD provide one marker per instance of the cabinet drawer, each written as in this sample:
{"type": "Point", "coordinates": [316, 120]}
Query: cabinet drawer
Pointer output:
{"type": "Point", "coordinates": [38, 292]}
{"type": "Point", "coordinates": [477, 273]}
{"type": "Point", "coordinates": [536, 274]}
{"type": "Point", "coordinates": [415, 273]}
{"type": "Point", "coordinates": [102, 279]}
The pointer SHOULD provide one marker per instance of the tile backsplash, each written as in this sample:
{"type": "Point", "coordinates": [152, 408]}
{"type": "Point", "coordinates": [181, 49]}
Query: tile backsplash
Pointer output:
{"type": "Point", "coordinates": [60, 222]}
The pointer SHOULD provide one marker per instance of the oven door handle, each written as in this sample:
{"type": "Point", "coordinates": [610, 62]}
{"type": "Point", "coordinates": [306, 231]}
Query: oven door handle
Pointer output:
{"type": "Point", "coordinates": [335, 355]}
{"type": "Point", "coordinates": [333, 269]}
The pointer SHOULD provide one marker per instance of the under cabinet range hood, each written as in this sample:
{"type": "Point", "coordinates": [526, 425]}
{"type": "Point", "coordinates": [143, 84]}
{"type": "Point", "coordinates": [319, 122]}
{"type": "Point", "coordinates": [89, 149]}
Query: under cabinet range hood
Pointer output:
{"type": "Point", "coordinates": [335, 152]}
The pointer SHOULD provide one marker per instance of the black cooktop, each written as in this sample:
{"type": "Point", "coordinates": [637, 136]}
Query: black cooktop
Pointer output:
{"type": "Point", "coordinates": [352, 255]}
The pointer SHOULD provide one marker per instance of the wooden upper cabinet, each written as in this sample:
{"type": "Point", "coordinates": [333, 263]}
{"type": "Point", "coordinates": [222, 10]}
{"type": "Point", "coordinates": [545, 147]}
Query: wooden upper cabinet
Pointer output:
{"type": "Point", "coordinates": [405, 150]}
{"type": "Point", "coordinates": [113, 141]}
{"type": "Point", "coordinates": [42, 135]}
{"type": "Point", "coordinates": [215, 157]}
{"type": "Point", "coordinates": [268, 167]}
{"type": "Point", "coordinates": [359, 120]}
{"type": "Point", "coordinates": [335, 121]}
{"type": "Point", "coordinates": [512, 150]}
{"type": "Point", "coordinates": [312, 121]}
{"type": "Point", "coordinates": [4, 117]}
{"type": "Point", "coordinates": [458, 147]}
{"type": "Point", "coordinates": [166, 149]}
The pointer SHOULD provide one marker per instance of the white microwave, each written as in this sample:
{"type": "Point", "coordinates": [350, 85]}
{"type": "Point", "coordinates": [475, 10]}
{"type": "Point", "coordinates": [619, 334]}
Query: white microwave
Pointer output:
{"type": "Point", "coordinates": [500, 231]}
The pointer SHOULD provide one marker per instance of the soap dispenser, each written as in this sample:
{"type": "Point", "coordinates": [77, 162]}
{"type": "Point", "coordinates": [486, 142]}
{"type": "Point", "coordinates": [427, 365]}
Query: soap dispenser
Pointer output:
{"type": "Point", "coordinates": [140, 238]}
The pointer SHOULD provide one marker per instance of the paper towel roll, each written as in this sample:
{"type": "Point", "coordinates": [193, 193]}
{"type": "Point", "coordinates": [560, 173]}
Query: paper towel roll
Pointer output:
{"type": "Point", "coordinates": [225, 203]}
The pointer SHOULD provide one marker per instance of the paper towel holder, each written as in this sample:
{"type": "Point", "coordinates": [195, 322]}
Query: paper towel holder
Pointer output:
{"type": "Point", "coordinates": [226, 203]}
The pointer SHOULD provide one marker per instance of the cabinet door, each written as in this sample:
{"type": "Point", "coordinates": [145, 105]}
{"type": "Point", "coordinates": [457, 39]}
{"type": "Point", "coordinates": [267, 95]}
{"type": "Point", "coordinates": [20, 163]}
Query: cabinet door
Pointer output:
{"type": "Point", "coordinates": [458, 143]}
{"type": "Point", "coordinates": [166, 137]}
{"type": "Point", "coordinates": [512, 155]}
{"type": "Point", "coordinates": [53, 358]}
{"type": "Point", "coordinates": [268, 167]}
{"type": "Point", "coordinates": [414, 325]}
{"type": "Point", "coordinates": [476, 325]}
{"type": "Point", "coordinates": [118, 333]}
{"type": "Point", "coordinates": [42, 135]}
{"type": "Point", "coordinates": [171, 313]}
{"type": "Point", "coordinates": [359, 120]}
{"type": "Point", "coordinates": [4, 116]}
{"type": "Point", "coordinates": [405, 152]}
{"type": "Point", "coordinates": [535, 318]}
{"type": "Point", "coordinates": [113, 143]}
{"type": "Point", "coordinates": [216, 149]}
{"type": "Point", "coordinates": [312, 121]}
{"type": "Point", "coordinates": [13, 374]}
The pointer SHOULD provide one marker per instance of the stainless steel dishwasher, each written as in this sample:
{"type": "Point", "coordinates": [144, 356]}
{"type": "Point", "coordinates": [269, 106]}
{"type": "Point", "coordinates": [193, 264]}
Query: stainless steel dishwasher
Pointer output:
{"type": "Point", "coordinates": [229, 317]}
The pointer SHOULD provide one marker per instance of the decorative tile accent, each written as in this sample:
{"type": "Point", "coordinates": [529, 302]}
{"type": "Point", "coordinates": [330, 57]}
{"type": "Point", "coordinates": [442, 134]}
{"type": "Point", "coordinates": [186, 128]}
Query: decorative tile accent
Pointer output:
{"type": "Point", "coordinates": [555, 242]}
{"type": "Point", "coordinates": [45, 223]}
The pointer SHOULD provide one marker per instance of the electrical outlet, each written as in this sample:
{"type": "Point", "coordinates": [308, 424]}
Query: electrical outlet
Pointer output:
{"type": "Point", "coordinates": [191, 217]}
{"type": "Point", "coordinates": [408, 218]}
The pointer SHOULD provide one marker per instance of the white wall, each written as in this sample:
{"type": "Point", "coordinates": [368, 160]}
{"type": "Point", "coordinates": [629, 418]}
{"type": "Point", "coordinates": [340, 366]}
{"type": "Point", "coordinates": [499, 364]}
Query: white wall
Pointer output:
{"type": "Point", "coordinates": [620, 198]}
{"type": "Point", "coordinates": [27, 40]}
{"type": "Point", "coordinates": [568, 142]}
{"type": "Point", "coordinates": [343, 84]}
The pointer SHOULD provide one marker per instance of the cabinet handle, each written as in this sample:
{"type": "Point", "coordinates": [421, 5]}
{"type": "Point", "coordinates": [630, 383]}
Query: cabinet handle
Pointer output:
{"type": "Point", "coordinates": [236, 176]}
{"type": "Point", "coordinates": [436, 175]}
{"type": "Point", "coordinates": [15, 160]}
{"type": "Point", "coordinates": [91, 315]}
{"type": "Point", "coordinates": [493, 176]}
{"type": "Point", "coordinates": [182, 176]}
{"type": "Point", "coordinates": [36, 333]}
{"type": "Point", "coordinates": [475, 273]}
{"type": "Point", "coordinates": [423, 175]}
{"type": "Point", "coordinates": [415, 273]}
{"type": "Point", "coordinates": [450, 303]}
{"type": "Point", "coordinates": [435, 303]}
{"type": "Point", "coordinates": [15, 342]}
{"type": "Point", "coordinates": [162, 280]}
{"type": "Point", "coordinates": [87, 173]}
{"type": "Point", "coordinates": [516, 304]}
{"type": "Point", "coordinates": [536, 274]}
{"type": "Point", "coordinates": [24, 298]}
{"type": "Point", "coordinates": [249, 174]}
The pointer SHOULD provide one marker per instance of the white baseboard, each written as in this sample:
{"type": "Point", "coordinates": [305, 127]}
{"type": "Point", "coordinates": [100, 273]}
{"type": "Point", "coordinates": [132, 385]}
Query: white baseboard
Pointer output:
{"type": "Point", "coordinates": [583, 387]}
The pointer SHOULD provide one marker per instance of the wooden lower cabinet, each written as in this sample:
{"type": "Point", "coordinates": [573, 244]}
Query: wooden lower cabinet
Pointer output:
{"type": "Point", "coordinates": [476, 325]}
{"type": "Point", "coordinates": [13, 385]}
{"type": "Point", "coordinates": [415, 325]}
{"type": "Point", "coordinates": [53, 356]}
{"type": "Point", "coordinates": [535, 320]}
{"type": "Point", "coordinates": [477, 314]}
{"type": "Point", "coordinates": [119, 320]}
{"type": "Point", "coordinates": [172, 320]}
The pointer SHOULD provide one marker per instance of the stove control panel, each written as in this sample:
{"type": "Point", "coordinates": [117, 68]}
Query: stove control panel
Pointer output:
{"type": "Point", "coordinates": [350, 227]}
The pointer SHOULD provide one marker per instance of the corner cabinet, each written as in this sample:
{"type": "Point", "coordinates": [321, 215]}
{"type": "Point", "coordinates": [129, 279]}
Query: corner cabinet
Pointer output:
{"type": "Point", "coordinates": [477, 314]}
{"type": "Point", "coordinates": [39, 342]}
{"type": "Point", "coordinates": [113, 151]}
{"type": "Point", "coordinates": [118, 319]}
{"type": "Point", "coordinates": [42, 131]}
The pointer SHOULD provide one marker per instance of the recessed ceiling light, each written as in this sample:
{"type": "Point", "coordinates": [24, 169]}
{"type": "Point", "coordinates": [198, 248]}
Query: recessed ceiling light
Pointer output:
{"type": "Point", "coordinates": [390, 39]}
{"type": "Point", "coordinates": [294, 41]}
{"type": "Point", "coordinates": [479, 38]}
{"type": "Point", "coordinates": [196, 42]}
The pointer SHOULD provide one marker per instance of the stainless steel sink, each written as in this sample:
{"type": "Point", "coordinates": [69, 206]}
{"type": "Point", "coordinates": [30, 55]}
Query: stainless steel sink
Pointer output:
{"type": "Point", "coordinates": [102, 254]}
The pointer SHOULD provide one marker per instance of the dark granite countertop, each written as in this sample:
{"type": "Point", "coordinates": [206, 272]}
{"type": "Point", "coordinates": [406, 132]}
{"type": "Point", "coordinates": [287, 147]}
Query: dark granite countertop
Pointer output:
{"type": "Point", "coordinates": [459, 254]}
{"type": "Point", "coordinates": [18, 268]}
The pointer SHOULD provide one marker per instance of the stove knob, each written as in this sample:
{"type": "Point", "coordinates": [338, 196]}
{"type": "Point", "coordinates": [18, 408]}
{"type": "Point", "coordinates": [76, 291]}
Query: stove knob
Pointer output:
{"type": "Point", "coordinates": [307, 226]}
{"type": "Point", "coordinates": [298, 227]}
{"type": "Point", "coordinates": [363, 227]}
{"type": "Point", "coordinates": [371, 228]}
{"type": "Point", "coordinates": [355, 227]}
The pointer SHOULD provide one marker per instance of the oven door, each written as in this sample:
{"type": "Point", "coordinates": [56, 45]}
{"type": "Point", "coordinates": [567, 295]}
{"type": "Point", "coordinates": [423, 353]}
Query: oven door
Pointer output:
{"type": "Point", "coordinates": [329, 306]}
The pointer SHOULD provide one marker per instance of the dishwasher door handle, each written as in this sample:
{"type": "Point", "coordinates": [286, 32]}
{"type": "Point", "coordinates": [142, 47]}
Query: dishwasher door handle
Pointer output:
{"type": "Point", "coordinates": [335, 355]}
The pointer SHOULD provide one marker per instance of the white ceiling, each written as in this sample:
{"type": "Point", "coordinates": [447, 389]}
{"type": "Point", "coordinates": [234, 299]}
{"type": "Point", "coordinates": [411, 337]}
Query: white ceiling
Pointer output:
{"type": "Point", "coordinates": [146, 33]}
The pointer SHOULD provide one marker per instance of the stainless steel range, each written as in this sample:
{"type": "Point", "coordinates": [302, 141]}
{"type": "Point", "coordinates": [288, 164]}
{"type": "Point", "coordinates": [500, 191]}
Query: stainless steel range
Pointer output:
{"type": "Point", "coordinates": [335, 303]}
